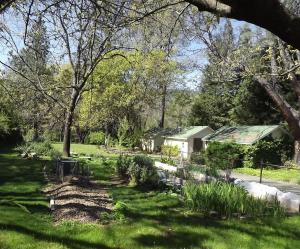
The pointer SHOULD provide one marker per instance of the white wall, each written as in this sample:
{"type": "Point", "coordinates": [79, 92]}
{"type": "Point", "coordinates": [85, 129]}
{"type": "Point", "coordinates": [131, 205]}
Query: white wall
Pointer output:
{"type": "Point", "coordinates": [182, 145]}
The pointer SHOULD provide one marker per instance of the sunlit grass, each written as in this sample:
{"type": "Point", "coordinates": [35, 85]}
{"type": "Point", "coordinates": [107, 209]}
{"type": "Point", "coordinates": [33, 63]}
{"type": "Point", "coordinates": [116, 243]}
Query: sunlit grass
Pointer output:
{"type": "Point", "coordinates": [286, 175]}
{"type": "Point", "coordinates": [87, 149]}
{"type": "Point", "coordinates": [155, 219]}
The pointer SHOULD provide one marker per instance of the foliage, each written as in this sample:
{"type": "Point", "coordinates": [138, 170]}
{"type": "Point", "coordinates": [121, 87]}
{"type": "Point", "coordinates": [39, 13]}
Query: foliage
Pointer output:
{"type": "Point", "coordinates": [43, 148]}
{"type": "Point", "coordinates": [291, 164]}
{"type": "Point", "coordinates": [122, 131]}
{"type": "Point", "coordinates": [97, 138]}
{"type": "Point", "coordinates": [142, 171]}
{"type": "Point", "coordinates": [222, 155]}
{"type": "Point", "coordinates": [198, 158]}
{"type": "Point", "coordinates": [168, 160]}
{"type": "Point", "coordinates": [269, 151]}
{"type": "Point", "coordinates": [122, 165]}
{"type": "Point", "coordinates": [227, 199]}
{"type": "Point", "coordinates": [170, 150]}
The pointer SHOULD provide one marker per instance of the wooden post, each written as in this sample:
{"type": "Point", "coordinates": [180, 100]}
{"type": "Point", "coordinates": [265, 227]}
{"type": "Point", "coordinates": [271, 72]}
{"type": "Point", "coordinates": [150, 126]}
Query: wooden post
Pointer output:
{"type": "Point", "coordinates": [261, 171]}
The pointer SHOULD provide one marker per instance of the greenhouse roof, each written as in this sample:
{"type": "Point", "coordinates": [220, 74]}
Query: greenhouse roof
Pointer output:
{"type": "Point", "coordinates": [242, 134]}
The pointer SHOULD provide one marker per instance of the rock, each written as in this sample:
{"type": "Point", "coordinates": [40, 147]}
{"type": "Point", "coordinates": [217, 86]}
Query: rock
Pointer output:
{"type": "Point", "coordinates": [289, 201]}
{"type": "Point", "coordinates": [24, 155]}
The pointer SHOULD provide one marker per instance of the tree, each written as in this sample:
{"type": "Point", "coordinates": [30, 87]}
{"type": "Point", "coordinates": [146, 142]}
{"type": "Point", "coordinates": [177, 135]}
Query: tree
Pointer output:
{"type": "Point", "coordinates": [31, 62]}
{"type": "Point", "coordinates": [269, 14]}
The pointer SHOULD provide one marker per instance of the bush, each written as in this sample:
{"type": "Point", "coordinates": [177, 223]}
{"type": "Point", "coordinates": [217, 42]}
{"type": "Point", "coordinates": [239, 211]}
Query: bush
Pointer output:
{"type": "Point", "coordinates": [198, 158]}
{"type": "Point", "coordinates": [40, 148]}
{"type": "Point", "coordinates": [168, 161]}
{"type": "Point", "coordinates": [270, 151]}
{"type": "Point", "coordinates": [170, 151]}
{"type": "Point", "coordinates": [97, 138]}
{"type": "Point", "coordinates": [291, 165]}
{"type": "Point", "coordinates": [142, 171]}
{"type": "Point", "coordinates": [227, 199]}
{"type": "Point", "coordinates": [223, 155]}
{"type": "Point", "coordinates": [122, 165]}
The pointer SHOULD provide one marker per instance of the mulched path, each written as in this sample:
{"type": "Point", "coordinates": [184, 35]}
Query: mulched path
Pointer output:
{"type": "Point", "coordinates": [80, 200]}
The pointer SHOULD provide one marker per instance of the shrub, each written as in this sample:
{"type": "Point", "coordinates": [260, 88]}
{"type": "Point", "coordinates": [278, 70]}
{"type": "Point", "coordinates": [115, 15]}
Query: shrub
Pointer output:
{"type": "Point", "coordinates": [170, 151]}
{"type": "Point", "coordinates": [198, 158]}
{"type": "Point", "coordinates": [97, 138]}
{"type": "Point", "coordinates": [118, 214]}
{"type": "Point", "coordinates": [223, 156]}
{"type": "Point", "coordinates": [142, 171]}
{"type": "Point", "coordinates": [54, 154]}
{"type": "Point", "coordinates": [291, 165]}
{"type": "Point", "coordinates": [270, 151]}
{"type": "Point", "coordinates": [227, 199]}
{"type": "Point", "coordinates": [41, 148]}
{"type": "Point", "coordinates": [168, 161]}
{"type": "Point", "coordinates": [122, 165]}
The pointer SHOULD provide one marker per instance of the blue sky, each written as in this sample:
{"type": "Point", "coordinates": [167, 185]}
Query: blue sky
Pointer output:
{"type": "Point", "coordinates": [191, 78]}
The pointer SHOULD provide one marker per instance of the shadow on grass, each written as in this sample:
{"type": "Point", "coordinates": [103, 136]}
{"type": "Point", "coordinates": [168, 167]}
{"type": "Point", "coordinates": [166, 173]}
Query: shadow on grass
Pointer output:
{"type": "Point", "coordinates": [63, 240]}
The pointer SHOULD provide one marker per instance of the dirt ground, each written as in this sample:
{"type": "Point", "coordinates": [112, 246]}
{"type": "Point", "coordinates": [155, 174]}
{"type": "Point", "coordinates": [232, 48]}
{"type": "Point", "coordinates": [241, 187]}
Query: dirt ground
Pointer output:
{"type": "Point", "coordinates": [79, 199]}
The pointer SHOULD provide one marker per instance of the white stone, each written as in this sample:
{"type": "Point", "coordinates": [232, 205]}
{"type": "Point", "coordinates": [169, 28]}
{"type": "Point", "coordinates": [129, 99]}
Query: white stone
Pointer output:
{"type": "Point", "coordinates": [289, 201]}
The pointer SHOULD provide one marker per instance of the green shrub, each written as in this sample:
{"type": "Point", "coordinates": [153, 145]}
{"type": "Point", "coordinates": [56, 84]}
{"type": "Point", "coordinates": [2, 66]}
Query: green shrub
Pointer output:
{"type": "Point", "coordinates": [198, 158]}
{"type": "Point", "coordinates": [97, 138]}
{"type": "Point", "coordinates": [54, 154]}
{"type": "Point", "coordinates": [227, 199]}
{"type": "Point", "coordinates": [118, 214]}
{"type": "Point", "coordinates": [142, 171]}
{"type": "Point", "coordinates": [291, 165]}
{"type": "Point", "coordinates": [122, 165]}
{"type": "Point", "coordinates": [170, 151]}
{"type": "Point", "coordinates": [40, 148]}
{"type": "Point", "coordinates": [168, 161]}
{"type": "Point", "coordinates": [223, 155]}
{"type": "Point", "coordinates": [270, 151]}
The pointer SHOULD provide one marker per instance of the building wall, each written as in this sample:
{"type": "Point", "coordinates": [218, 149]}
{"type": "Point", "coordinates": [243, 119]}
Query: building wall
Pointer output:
{"type": "Point", "coordinates": [182, 145]}
{"type": "Point", "coordinates": [152, 144]}
{"type": "Point", "coordinates": [187, 146]}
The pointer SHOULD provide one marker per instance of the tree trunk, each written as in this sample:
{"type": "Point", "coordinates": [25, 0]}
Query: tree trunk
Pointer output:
{"type": "Point", "coordinates": [291, 116]}
{"type": "Point", "coordinates": [297, 151]}
{"type": "Point", "coordinates": [163, 107]}
{"type": "Point", "coordinates": [68, 123]}
{"type": "Point", "coordinates": [35, 135]}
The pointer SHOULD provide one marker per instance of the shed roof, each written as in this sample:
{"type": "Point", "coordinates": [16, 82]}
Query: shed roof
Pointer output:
{"type": "Point", "coordinates": [154, 132]}
{"type": "Point", "coordinates": [187, 132]}
{"type": "Point", "coordinates": [242, 134]}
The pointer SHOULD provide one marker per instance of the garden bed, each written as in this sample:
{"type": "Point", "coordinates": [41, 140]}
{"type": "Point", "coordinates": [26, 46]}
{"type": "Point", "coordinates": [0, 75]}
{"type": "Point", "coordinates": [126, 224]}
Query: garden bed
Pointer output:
{"type": "Point", "coordinates": [79, 200]}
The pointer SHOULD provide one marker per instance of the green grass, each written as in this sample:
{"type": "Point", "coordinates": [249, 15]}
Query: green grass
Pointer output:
{"type": "Point", "coordinates": [155, 219]}
{"type": "Point", "coordinates": [84, 149]}
{"type": "Point", "coordinates": [286, 175]}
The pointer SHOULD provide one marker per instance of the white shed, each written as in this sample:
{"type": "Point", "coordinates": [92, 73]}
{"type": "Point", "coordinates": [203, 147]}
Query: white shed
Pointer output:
{"type": "Point", "coordinates": [189, 139]}
{"type": "Point", "coordinates": [153, 139]}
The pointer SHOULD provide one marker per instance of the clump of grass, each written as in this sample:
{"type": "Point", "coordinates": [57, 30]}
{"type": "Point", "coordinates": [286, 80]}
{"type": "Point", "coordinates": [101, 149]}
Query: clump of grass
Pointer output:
{"type": "Point", "coordinates": [227, 200]}
{"type": "Point", "coordinates": [118, 213]}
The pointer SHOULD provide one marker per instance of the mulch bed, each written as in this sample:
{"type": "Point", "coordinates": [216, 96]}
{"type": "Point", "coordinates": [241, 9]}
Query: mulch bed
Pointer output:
{"type": "Point", "coordinates": [79, 199]}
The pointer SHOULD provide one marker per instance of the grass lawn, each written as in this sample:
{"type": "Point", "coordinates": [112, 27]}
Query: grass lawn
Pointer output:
{"type": "Point", "coordinates": [155, 219]}
{"type": "Point", "coordinates": [84, 149]}
{"type": "Point", "coordinates": [287, 175]}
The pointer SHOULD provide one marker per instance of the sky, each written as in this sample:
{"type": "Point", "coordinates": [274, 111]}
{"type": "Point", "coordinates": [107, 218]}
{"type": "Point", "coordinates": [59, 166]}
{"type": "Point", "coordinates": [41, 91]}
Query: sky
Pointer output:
{"type": "Point", "coordinates": [193, 54]}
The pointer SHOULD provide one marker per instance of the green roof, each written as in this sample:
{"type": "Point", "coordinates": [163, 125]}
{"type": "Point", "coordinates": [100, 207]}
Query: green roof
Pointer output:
{"type": "Point", "coordinates": [154, 132]}
{"type": "Point", "coordinates": [241, 134]}
{"type": "Point", "coordinates": [187, 132]}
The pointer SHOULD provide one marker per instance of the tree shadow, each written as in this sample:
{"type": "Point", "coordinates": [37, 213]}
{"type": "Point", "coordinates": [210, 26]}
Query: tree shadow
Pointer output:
{"type": "Point", "coordinates": [71, 243]}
